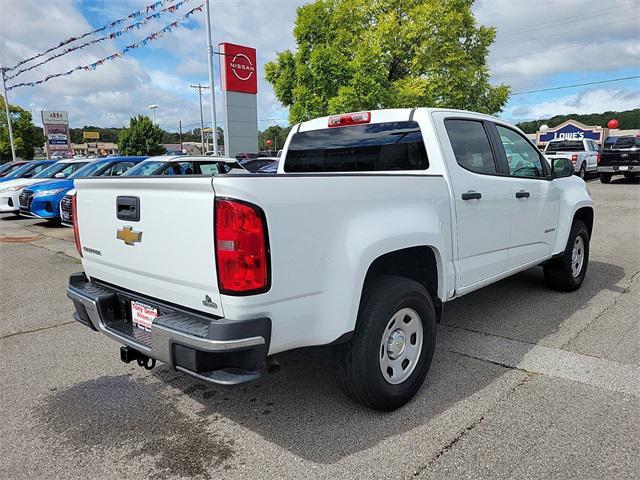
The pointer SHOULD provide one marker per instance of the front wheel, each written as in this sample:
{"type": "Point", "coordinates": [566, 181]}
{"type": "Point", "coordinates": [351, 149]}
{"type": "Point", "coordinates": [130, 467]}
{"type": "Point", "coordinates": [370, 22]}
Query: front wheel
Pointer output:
{"type": "Point", "coordinates": [566, 273]}
{"type": "Point", "coordinates": [387, 360]}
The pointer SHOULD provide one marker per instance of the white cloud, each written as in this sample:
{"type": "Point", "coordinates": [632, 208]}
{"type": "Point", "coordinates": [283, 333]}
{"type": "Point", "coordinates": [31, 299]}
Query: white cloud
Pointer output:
{"type": "Point", "coordinates": [592, 101]}
{"type": "Point", "coordinates": [537, 42]}
{"type": "Point", "coordinates": [536, 39]}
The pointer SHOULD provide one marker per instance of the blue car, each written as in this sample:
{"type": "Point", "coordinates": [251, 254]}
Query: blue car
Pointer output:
{"type": "Point", "coordinates": [43, 199]}
{"type": "Point", "coordinates": [28, 169]}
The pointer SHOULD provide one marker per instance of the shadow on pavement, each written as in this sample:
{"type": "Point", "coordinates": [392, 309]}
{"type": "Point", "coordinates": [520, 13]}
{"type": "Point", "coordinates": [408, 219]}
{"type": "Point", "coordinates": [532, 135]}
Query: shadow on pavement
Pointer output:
{"type": "Point", "coordinates": [303, 410]}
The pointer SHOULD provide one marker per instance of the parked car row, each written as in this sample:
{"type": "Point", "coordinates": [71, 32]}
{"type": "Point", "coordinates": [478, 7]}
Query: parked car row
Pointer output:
{"type": "Point", "coordinates": [43, 189]}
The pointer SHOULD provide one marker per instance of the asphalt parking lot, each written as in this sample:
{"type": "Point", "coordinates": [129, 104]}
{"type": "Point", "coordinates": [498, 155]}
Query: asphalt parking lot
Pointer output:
{"type": "Point", "coordinates": [525, 383]}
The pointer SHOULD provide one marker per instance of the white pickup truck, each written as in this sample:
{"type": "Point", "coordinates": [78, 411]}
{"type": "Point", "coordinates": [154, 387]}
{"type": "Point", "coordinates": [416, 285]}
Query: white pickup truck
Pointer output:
{"type": "Point", "coordinates": [373, 222]}
{"type": "Point", "coordinates": [583, 153]}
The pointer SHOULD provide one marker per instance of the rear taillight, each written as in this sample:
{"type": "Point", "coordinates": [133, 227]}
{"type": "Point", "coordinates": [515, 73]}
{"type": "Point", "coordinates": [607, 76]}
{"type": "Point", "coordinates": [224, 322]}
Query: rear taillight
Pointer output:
{"type": "Point", "coordinates": [242, 248]}
{"type": "Point", "coordinates": [599, 157]}
{"type": "Point", "coordinates": [349, 119]}
{"type": "Point", "coordinates": [74, 214]}
{"type": "Point", "coordinates": [574, 158]}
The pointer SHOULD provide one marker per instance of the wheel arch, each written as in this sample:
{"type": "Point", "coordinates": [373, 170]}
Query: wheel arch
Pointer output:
{"type": "Point", "coordinates": [586, 215]}
{"type": "Point", "coordinates": [420, 263]}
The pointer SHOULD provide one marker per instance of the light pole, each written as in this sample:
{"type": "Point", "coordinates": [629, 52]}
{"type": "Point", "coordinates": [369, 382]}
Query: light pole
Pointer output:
{"type": "Point", "coordinates": [200, 88]}
{"type": "Point", "coordinates": [6, 109]}
{"type": "Point", "coordinates": [153, 110]}
{"type": "Point", "coordinates": [214, 125]}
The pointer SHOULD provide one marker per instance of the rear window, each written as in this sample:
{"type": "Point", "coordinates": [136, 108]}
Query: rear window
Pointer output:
{"type": "Point", "coordinates": [359, 148]}
{"type": "Point", "coordinates": [565, 145]}
{"type": "Point", "coordinates": [627, 142]}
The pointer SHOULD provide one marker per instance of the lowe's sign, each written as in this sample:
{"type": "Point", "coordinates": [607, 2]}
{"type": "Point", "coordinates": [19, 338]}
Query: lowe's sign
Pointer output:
{"type": "Point", "coordinates": [570, 130]}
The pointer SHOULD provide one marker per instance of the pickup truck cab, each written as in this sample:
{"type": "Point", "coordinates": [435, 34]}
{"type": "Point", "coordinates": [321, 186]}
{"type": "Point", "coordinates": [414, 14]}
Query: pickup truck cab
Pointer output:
{"type": "Point", "coordinates": [583, 154]}
{"type": "Point", "coordinates": [622, 157]}
{"type": "Point", "coordinates": [372, 223]}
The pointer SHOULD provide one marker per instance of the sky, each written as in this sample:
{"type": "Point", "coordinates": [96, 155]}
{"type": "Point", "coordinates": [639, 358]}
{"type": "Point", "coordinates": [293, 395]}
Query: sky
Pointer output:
{"type": "Point", "coordinates": [540, 44]}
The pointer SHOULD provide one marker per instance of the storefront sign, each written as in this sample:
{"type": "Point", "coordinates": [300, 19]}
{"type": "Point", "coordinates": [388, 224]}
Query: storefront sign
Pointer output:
{"type": "Point", "coordinates": [56, 132]}
{"type": "Point", "coordinates": [570, 130]}
{"type": "Point", "coordinates": [239, 71]}
{"type": "Point", "coordinates": [91, 135]}
{"type": "Point", "coordinates": [54, 118]}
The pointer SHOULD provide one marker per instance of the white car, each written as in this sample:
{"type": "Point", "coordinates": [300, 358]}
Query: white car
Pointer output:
{"type": "Point", "coordinates": [374, 221]}
{"type": "Point", "coordinates": [10, 190]}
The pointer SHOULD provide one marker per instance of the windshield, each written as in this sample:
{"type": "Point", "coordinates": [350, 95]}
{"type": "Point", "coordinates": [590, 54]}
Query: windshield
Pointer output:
{"type": "Point", "coordinates": [61, 167]}
{"type": "Point", "coordinates": [144, 168]}
{"type": "Point", "coordinates": [88, 169]}
{"type": "Point", "coordinates": [7, 167]}
{"type": "Point", "coordinates": [567, 145]}
{"type": "Point", "coordinates": [22, 170]}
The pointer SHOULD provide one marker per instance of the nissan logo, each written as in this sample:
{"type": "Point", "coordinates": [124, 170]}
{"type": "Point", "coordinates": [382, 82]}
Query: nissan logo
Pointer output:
{"type": "Point", "coordinates": [242, 67]}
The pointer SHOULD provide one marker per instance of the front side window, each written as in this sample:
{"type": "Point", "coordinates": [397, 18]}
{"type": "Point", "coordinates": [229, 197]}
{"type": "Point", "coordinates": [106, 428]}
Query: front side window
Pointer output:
{"type": "Point", "coordinates": [117, 169]}
{"type": "Point", "coordinates": [524, 160]}
{"type": "Point", "coordinates": [179, 168]}
{"type": "Point", "coordinates": [471, 146]}
{"type": "Point", "coordinates": [358, 148]}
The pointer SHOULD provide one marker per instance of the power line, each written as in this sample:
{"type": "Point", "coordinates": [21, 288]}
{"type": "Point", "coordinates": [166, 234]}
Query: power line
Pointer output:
{"type": "Point", "coordinates": [576, 85]}
{"type": "Point", "coordinates": [583, 45]}
{"type": "Point", "coordinates": [563, 33]}
{"type": "Point", "coordinates": [559, 21]}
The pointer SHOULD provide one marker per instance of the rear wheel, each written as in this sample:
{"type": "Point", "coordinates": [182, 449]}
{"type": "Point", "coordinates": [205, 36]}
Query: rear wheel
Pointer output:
{"type": "Point", "coordinates": [387, 360]}
{"type": "Point", "coordinates": [632, 178]}
{"type": "Point", "coordinates": [605, 177]}
{"type": "Point", "coordinates": [567, 272]}
{"type": "Point", "coordinates": [583, 171]}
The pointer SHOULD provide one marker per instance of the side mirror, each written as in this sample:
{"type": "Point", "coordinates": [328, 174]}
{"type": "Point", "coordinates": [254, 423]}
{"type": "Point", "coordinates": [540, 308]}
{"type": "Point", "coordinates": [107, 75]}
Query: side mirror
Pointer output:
{"type": "Point", "coordinates": [59, 175]}
{"type": "Point", "coordinates": [561, 168]}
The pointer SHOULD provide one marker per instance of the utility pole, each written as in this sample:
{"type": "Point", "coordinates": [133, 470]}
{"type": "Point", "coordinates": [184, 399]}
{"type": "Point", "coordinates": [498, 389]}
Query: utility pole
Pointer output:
{"type": "Point", "coordinates": [180, 133]}
{"type": "Point", "coordinates": [200, 88]}
{"type": "Point", "coordinates": [214, 125]}
{"type": "Point", "coordinates": [6, 109]}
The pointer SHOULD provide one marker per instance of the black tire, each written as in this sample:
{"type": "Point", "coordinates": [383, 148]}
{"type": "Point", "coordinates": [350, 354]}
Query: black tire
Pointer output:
{"type": "Point", "coordinates": [605, 177]}
{"type": "Point", "coordinates": [631, 178]}
{"type": "Point", "coordinates": [583, 171]}
{"type": "Point", "coordinates": [358, 361]}
{"type": "Point", "coordinates": [558, 273]}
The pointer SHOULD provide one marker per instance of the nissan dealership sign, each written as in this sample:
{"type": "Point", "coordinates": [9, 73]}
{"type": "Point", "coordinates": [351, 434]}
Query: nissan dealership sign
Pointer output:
{"type": "Point", "coordinates": [239, 72]}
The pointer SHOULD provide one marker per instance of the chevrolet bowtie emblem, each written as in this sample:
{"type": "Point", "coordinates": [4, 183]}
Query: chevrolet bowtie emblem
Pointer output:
{"type": "Point", "coordinates": [128, 236]}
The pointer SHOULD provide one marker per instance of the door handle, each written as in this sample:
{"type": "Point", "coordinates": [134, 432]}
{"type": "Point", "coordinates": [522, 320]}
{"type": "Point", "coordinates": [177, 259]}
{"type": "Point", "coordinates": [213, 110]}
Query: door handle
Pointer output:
{"type": "Point", "coordinates": [522, 194]}
{"type": "Point", "coordinates": [471, 195]}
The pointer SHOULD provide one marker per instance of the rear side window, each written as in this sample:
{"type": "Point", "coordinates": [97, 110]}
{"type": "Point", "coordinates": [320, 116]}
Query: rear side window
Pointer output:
{"type": "Point", "coordinates": [358, 148]}
{"type": "Point", "coordinates": [471, 146]}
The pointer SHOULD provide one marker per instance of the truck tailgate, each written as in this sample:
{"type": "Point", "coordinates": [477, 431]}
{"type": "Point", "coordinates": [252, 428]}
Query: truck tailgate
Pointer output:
{"type": "Point", "coordinates": [168, 253]}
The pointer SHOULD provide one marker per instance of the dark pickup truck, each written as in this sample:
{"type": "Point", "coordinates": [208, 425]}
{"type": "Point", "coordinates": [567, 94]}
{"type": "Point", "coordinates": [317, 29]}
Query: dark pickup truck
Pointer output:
{"type": "Point", "coordinates": [621, 158]}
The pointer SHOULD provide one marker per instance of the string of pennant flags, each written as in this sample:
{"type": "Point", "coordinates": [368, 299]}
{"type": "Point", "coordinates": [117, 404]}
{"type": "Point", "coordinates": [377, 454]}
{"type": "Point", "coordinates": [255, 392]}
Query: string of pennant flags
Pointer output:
{"type": "Point", "coordinates": [111, 36]}
{"type": "Point", "coordinates": [142, 11]}
{"type": "Point", "coordinates": [92, 66]}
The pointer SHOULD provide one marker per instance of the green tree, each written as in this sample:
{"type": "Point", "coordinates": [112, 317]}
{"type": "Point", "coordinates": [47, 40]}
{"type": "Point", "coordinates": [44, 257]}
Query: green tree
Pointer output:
{"type": "Point", "coordinates": [275, 133]}
{"type": "Point", "coordinates": [141, 137]}
{"type": "Point", "coordinates": [26, 135]}
{"type": "Point", "coordinates": [366, 54]}
{"type": "Point", "coordinates": [628, 119]}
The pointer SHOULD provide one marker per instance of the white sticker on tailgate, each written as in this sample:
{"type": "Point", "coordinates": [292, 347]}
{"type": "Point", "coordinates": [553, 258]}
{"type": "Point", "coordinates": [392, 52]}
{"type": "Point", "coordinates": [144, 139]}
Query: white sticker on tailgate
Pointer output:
{"type": "Point", "coordinates": [143, 315]}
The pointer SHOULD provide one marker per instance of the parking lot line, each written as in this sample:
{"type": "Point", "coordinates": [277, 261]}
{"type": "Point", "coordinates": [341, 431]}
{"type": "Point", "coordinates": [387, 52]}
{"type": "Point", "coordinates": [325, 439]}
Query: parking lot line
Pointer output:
{"type": "Point", "coordinates": [594, 371]}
